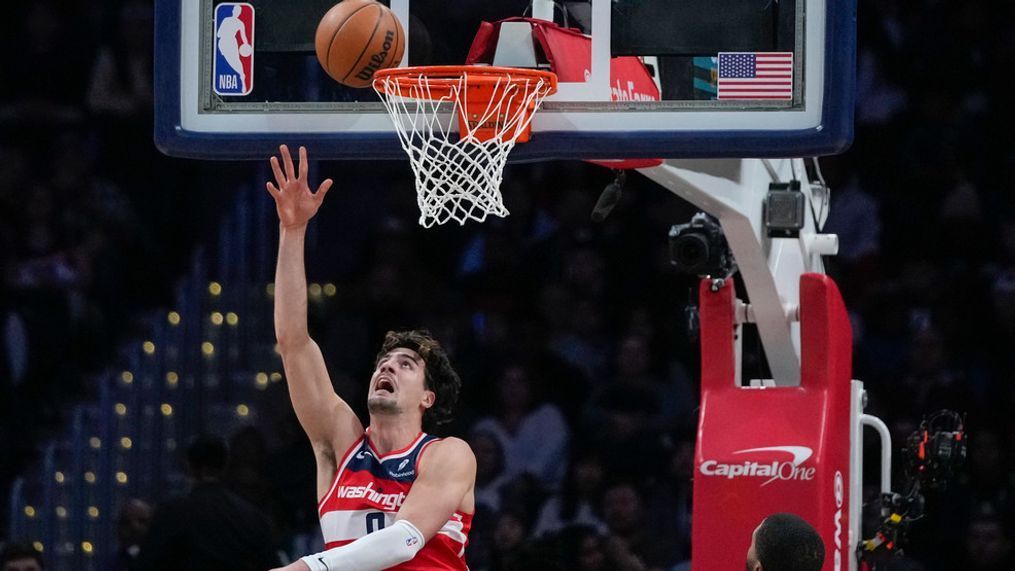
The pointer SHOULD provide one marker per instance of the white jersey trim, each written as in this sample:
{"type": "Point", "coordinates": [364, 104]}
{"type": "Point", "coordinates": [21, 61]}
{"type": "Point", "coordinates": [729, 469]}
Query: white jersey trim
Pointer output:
{"type": "Point", "coordinates": [421, 450]}
{"type": "Point", "coordinates": [403, 453]}
{"type": "Point", "coordinates": [349, 525]}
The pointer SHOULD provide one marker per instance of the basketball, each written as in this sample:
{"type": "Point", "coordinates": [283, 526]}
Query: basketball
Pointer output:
{"type": "Point", "coordinates": [355, 38]}
{"type": "Point", "coordinates": [246, 50]}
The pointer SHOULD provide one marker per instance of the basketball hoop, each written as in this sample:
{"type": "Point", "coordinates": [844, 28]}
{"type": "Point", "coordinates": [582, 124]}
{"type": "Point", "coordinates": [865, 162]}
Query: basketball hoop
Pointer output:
{"type": "Point", "coordinates": [459, 178]}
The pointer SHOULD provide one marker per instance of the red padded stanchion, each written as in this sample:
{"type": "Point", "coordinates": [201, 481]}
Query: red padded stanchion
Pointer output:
{"type": "Point", "coordinates": [767, 450]}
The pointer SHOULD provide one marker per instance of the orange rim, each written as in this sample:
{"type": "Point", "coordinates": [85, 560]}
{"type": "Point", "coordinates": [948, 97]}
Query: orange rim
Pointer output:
{"type": "Point", "coordinates": [441, 80]}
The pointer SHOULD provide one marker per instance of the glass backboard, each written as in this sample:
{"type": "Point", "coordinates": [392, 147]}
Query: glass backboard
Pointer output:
{"type": "Point", "coordinates": [639, 78]}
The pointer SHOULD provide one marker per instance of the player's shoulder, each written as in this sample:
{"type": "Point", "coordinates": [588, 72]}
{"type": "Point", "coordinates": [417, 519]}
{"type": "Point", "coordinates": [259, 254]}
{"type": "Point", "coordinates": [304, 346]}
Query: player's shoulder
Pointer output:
{"type": "Point", "coordinates": [450, 450]}
{"type": "Point", "coordinates": [452, 445]}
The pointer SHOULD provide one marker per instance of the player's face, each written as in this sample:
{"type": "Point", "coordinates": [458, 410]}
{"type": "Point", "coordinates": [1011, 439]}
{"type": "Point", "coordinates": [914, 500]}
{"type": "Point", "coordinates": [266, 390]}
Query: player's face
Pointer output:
{"type": "Point", "coordinates": [398, 384]}
{"type": "Point", "coordinates": [752, 556]}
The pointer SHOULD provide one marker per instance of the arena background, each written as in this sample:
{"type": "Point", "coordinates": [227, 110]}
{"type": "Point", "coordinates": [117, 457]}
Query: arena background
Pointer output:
{"type": "Point", "coordinates": [135, 306]}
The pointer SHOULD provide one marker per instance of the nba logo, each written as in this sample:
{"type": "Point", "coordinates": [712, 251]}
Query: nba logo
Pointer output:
{"type": "Point", "coordinates": [233, 68]}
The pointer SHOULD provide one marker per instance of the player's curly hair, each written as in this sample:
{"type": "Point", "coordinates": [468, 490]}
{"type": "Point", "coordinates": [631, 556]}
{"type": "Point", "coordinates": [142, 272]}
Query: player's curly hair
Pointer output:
{"type": "Point", "coordinates": [440, 376]}
{"type": "Point", "coordinates": [785, 541]}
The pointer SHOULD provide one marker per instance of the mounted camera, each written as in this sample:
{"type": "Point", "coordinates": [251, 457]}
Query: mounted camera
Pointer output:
{"type": "Point", "coordinates": [783, 213]}
{"type": "Point", "coordinates": [699, 248]}
{"type": "Point", "coordinates": [934, 453]}
{"type": "Point", "coordinates": [937, 449]}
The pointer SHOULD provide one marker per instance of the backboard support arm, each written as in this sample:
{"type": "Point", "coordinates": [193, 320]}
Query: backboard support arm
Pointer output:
{"type": "Point", "coordinates": [734, 191]}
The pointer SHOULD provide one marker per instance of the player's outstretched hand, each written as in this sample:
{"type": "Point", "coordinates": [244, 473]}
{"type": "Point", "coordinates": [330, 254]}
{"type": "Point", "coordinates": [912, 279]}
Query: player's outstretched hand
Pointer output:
{"type": "Point", "coordinates": [295, 203]}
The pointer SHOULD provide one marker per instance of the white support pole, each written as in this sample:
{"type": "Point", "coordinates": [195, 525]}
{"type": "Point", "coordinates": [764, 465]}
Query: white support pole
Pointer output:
{"type": "Point", "coordinates": [401, 10]}
{"type": "Point", "coordinates": [734, 190]}
{"type": "Point", "coordinates": [542, 10]}
{"type": "Point", "coordinates": [858, 398]}
{"type": "Point", "coordinates": [596, 86]}
{"type": "Point", "coordinates": [858, 421]}
{"type": "Point", "coordinates": [886, 449]}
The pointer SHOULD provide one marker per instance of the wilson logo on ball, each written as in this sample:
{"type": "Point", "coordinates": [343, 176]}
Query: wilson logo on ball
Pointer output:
{"type": "Point", "coordinates": [377, 60]}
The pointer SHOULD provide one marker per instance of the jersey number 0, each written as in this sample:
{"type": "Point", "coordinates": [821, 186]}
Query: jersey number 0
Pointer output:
{"type": "Point", "coordinates": [375, 521]}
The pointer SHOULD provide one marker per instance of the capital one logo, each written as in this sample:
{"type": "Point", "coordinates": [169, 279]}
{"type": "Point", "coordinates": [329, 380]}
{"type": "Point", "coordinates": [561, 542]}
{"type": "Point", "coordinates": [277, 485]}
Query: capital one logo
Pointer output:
{"type": "Point", "coordinates": [789, 469]}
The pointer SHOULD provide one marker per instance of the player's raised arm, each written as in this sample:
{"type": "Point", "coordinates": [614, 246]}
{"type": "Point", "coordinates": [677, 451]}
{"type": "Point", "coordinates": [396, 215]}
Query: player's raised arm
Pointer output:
{"type": "Point", "coordinates": [327, 419]}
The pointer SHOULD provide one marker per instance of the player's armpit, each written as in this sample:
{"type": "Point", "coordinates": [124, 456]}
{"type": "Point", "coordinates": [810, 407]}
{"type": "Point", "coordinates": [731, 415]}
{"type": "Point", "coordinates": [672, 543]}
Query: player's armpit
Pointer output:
{"type": "Point", "coordinates": [327, 419]}
{"type": "Point", "coordinates": [447, 472]}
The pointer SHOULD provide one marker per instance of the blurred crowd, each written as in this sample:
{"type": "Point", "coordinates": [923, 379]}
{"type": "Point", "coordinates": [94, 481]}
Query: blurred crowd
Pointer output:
{"type": "Point", "coordinates": [580, 371]}
{"type": "Point", "coordinates": [95, 224]}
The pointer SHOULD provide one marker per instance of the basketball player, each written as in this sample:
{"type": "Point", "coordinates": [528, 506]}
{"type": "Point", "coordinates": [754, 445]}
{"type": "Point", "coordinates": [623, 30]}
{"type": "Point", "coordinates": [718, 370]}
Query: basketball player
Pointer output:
{"type": "Point", "coordinates": [390, 496]}
{"type": "Point", "coordinates": [785, 542]}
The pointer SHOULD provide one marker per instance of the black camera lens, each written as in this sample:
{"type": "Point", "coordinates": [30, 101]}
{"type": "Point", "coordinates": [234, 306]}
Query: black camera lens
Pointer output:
{"type": "Point", "coordinates": [690, 251]}
{"type": "Point", "coordinates": [699, 248]}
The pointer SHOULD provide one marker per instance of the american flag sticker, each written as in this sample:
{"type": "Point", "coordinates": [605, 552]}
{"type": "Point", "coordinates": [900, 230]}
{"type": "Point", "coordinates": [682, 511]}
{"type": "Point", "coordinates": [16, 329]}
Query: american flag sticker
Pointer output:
{"type": "Point", "coordinates": [755, 75]}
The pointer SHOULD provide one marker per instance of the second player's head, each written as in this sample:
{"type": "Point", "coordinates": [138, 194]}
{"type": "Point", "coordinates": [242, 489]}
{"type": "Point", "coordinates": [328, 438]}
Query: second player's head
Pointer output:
{"type": "Point", "coordinates": [413, 376]}
{"type": "Point", "coordinates": [785, 542]}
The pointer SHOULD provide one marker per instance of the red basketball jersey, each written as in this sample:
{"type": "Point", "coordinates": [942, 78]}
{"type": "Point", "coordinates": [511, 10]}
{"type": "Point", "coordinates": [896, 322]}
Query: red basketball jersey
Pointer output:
{"type": "Point", "coordinates": [367, 493]}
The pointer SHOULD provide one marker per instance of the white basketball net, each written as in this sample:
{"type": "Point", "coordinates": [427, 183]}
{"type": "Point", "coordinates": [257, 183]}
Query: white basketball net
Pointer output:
{"type": "Point", "coordinates": [458, 177]}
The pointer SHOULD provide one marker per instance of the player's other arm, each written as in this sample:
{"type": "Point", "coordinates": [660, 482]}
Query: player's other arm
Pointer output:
{"type": "Point", "coordinates": [447, 473]}
{"type": "Point", "coordinates": [328, 421]}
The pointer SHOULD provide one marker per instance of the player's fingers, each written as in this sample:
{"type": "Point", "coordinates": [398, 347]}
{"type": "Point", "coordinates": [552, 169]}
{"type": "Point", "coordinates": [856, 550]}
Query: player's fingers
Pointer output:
{"type": "Point", "coordinates": [324, 188]}
{"type": "Point", "coordinates": [304, 167]}
{"type": "Point", "coordinates": [279, 177]}
{"type": "Point", "coordinates": [290, 172]}
{"type": "Point", "coordinates": [272, 190]}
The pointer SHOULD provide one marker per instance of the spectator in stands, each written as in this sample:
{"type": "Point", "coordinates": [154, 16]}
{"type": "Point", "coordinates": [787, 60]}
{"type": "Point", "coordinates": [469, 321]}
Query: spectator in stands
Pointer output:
{"type": "Point", "coordinates": [490, 476]}
{"type": "Point", "coordinates": [932, 383]}
{"type": "Point", "coordinates": [522, 496]}
{"type": "Point", "coordinates": [581, 549]}
{"type": "Point", "coordinates": [671, 492]}
{"type": "Point", "coordinates": [988, 544]}
{"type": "Point", "coordinates": [491, 481]}
{"type": "Point", "coordinates": [785, 542]}
{"type": "Point", "coordinates": [627, 416]}
{"type": "Point", "coordinates": [584, 343]}
{"type": "Point", "coordinates": [211, 527]}
{"type": "Point", "coordinates": [510, 551]}
{"type": "Point", "coordinates": [120, 86]}
{"type": "Point", "coordinates": [21, 557]}
{"type": "Point", "coordinates": [578, 499]}
{"type": "Point", "coordinates": [634, 374]}
{"type": "Point", "coordinates": [533, 433]}
{"type": "Point", "coordinates": [131, 528]}
{"type": "Point", "coordinates": [631, 543]}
